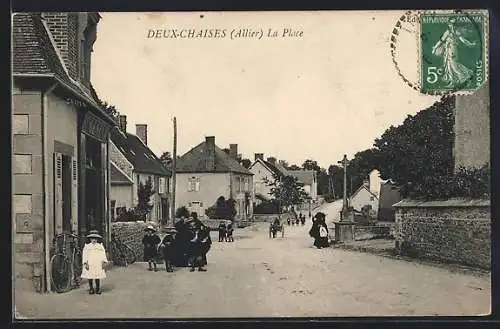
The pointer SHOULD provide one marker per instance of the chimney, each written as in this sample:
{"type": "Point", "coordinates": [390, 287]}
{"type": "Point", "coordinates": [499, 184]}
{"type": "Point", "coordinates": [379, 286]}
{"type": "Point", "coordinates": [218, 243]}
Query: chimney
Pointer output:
{"type": "Point", "coordinates": [233, 151]}
{"type": "Point", "coordinates": [67, 29]}
{"type": "Point", "coordinates": [122, 123]}
{"type": "Point", "coordinates": [210, 153]}
{"type": "Point", "coordinates": [271, 160]}
{"type": "Point", "coordinates": [259, 156]}
{"type": "Point", "coordinates": [366, 183]}
{"type": "Point", "coordinates": [141, 130]}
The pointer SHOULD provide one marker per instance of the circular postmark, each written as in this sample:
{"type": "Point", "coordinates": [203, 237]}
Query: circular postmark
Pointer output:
{"type": "Point", "coordinates": [441, 52]}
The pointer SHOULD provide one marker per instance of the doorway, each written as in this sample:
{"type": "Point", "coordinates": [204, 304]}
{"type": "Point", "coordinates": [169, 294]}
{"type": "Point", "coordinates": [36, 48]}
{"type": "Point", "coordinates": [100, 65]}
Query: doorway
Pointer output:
{"type": "Point", "coordinates": [94, 200]}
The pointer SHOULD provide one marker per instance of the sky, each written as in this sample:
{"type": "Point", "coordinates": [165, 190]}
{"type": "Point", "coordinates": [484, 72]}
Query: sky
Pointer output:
{"type": "Point", "coordinates": [326, 93]}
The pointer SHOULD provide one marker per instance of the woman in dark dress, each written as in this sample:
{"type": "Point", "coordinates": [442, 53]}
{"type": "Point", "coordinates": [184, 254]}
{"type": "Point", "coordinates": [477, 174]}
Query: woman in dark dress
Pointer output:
{"type": "Point", "coordinates": [205, 244]}
{"type": "Point", "coordinates": [319, 231]}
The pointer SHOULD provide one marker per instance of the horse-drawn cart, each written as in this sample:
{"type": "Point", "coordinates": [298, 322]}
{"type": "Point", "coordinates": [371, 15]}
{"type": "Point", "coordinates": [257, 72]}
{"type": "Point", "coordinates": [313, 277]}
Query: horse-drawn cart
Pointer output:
{"type": "Point", "coordinates": [276, 227]}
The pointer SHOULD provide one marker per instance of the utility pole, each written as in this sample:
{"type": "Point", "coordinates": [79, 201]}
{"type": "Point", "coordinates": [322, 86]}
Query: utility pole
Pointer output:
{"type": "Point", "coordinates": [174, 170]}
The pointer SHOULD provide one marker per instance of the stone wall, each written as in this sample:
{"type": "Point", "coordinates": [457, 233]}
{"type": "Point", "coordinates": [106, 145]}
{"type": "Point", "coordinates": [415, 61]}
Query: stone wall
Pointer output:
{"type": "Point", "coordinates": [27, 189]}
{"type": "Point", "coordinates": [371, 232]}
{"type": "Point", "coordinates": [456, 231]}
{"type": "Point", "coordinates": [131, 233]}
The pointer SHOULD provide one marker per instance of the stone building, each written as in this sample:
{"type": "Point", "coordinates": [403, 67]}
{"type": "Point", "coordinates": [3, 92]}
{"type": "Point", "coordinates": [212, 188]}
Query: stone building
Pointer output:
{"type": "Point", "coordinates": [60, 138]}
{"type": "Point", "coordinates": [134, 163]}
{"type": "Point", "coordinates": [206, 172]}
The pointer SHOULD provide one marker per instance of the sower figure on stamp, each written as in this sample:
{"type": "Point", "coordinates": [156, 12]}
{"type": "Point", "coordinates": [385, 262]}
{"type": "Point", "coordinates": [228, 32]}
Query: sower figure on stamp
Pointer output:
{"type": "Point", "coordinates": [150, 242]}
{"type": "Point", "coordinates": [93, 259]}
{"type": "Point", "coordinates": [455, 73]}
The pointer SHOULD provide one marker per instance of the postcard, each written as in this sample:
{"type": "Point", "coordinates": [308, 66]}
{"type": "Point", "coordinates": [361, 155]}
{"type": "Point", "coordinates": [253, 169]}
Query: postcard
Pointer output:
{"type": "Point", "coordinates": [222, 165]}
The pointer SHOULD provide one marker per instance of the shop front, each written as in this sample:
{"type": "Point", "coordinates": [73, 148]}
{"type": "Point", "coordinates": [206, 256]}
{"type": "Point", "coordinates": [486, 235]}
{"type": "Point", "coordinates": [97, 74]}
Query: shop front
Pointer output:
{"type": "Point", "coordinates": [94, 208]}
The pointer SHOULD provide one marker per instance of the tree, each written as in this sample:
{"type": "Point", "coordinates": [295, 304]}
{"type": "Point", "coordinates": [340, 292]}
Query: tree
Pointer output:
{"type": "Point", "coordinates": [166, 159]}
{"type": "Point", "coordinates": [419, 152]}
{"type": "Point", "coordinates": [360, 166]}
{"type": "Point", "coordinates": [311, 165]}
{"type": "Point", "coordinates": [220, 207]}
{"type": "Point", "coordinates": [246, 163]}
{"type": "Point", "coordinates": [182, 212]}
{"type": "Point", "coordinates": [287, 190]}
{"type": "Point", "coordinates": [293, 167]}
{"type": "Point", "coordinates": [144, 193]}
{"type": "Point", "coordinates": [336, 181]}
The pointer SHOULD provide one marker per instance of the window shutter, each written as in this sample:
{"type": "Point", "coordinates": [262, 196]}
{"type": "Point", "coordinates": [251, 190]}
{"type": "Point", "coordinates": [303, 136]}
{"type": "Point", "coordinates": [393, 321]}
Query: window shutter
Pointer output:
{"type": "Point", "coordinates": [74, 194]}
{"type": "Point", "coordinates": [197, 185]}
{"type": "Point", "coordinates": [189, 186]}
{"type": "Point", "coordinates": [58, 206]}
{"type": "Point", "coordinates": [161, 188]}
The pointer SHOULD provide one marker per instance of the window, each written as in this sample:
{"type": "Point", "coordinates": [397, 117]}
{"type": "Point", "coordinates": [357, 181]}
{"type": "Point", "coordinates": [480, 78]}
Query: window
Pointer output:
{"type": "Point", "coordinates": [161, 187]}
{"type": "Point", "coordinates": [193, 184]}
{"type": "Point", "coordinates": [246, 184]}
{"type": "Point", "coordinates": [372, 198]}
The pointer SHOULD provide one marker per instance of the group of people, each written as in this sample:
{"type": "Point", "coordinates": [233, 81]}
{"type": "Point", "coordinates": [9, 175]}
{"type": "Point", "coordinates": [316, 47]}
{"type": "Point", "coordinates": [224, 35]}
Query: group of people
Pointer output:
{"type": "Point", "coordinates": [187, 245]}
{"type": "Point", "coordinates": [300, 219]}
{"type": "Point", "coordinates": [319, 231]}
{"type": "Point", "coordinates": [225, 232]}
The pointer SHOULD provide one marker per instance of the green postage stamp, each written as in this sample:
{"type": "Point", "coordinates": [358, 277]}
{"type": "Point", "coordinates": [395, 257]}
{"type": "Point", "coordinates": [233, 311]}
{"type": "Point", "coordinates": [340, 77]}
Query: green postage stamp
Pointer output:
{"type": "Point", "coordinates": [453, 51]}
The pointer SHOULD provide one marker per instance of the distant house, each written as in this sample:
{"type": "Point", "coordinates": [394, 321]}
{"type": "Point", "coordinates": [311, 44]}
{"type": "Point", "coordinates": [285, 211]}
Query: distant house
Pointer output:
{"type": "Point", "coordinates": [206, 172]}
{"type": "Point", "coordinates": [133, 163]}
{"type": "Point", "coordinates": [390, 194]}
{"type": "Point", "coordinates": [264, 171]}
{"type": "Point", "coordinates": [309, 179]}
{"type": "Point", "coordinates": [368, 193]}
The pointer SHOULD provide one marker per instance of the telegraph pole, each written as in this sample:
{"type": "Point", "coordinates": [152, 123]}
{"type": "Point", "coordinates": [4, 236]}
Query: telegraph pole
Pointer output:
{"type": "Point", "coordinates": [174, 170]}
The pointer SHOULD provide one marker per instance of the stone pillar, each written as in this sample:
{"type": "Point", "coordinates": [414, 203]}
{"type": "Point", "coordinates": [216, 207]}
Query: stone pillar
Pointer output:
{"type": "Point", "coordinates": [472, 130]}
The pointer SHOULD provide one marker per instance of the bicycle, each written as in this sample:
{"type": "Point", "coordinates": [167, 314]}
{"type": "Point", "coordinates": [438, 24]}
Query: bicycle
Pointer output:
{"type": "Point", "coordinates": [65, 269]}
{"type": "Point", "coordinates": [121, 253]}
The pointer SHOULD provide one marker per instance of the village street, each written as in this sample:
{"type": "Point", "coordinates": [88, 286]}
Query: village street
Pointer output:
{"type": "Point", "coordinates": [258, 276]}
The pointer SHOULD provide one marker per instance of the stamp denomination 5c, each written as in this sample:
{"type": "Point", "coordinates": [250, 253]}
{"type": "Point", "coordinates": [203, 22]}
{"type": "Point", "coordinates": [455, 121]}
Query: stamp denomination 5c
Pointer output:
{"type": "Point", "coordinates": [453, 51]}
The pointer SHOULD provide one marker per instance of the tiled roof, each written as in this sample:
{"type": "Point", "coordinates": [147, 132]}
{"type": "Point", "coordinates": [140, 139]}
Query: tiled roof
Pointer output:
{"type": "Point", "coordinates": [117, 177]}
{"type": "Point", "coordinates": [195, 161]}
{"type": "Point", "coordinates": [138, 154]}
{"type": "Point", "coordinates": [303, 176]}
{"type": "Point", "coordinates": [275, 169]}
{"type": "Point", "coordinates": [34, 54]}
{"type": "Point", "coordinates": [361, 188]}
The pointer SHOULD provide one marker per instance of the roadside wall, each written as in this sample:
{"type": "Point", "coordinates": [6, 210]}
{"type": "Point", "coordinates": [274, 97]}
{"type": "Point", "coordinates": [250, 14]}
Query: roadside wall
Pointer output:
{"type": "Point", "coordinates": [457, 231]}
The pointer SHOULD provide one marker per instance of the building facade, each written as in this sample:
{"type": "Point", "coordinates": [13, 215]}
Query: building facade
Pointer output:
{"type": "Point", "coordinates": [133, 164]}
{"type": "Point", "coordinates": [60, 137]}
{"type": "Point", "coordinates": [206, 173]}
{"type": "Point", "coordinates": [368, 193]}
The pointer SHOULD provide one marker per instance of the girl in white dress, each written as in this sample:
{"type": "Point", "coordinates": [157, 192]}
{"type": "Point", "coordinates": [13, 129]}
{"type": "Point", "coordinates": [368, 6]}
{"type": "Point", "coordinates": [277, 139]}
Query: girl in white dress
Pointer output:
{"type": "Point", "coordinates": [93, 259]}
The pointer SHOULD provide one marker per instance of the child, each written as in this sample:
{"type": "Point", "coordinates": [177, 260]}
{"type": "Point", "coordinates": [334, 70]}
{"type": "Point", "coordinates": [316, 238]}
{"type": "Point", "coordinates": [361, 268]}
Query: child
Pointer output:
{"type": "Point", "coordinates": [229, 233]}
{"type": "Point", "coordinates": [222, 231]}
{"type": "Point", "coordinates": [167, 251]}
{"type": "Point", "coordinates": [150, 242]}
{"type": "Point", "coordinates": [93, 259]}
